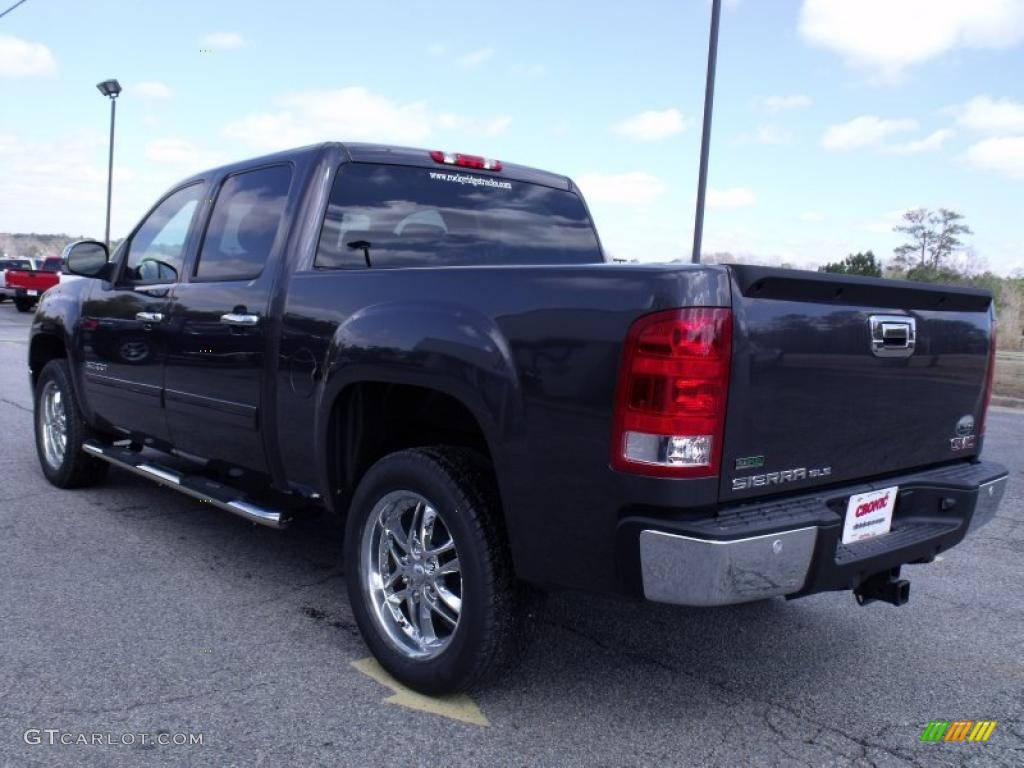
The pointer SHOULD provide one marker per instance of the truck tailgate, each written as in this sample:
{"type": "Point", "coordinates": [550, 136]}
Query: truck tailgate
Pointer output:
{"type": "Point", "coordinates": [31, 279]}
{"type": "Point", "coordinates": [837, 378]}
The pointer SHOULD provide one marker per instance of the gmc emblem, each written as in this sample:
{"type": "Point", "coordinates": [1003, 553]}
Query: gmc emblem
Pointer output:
{"type": "Point", "coordinates": [961, 443]}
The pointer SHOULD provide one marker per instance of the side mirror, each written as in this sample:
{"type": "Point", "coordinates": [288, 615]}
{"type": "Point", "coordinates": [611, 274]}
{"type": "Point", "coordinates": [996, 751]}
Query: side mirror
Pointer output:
{"type": "Point", "coordinates": [86, 258]}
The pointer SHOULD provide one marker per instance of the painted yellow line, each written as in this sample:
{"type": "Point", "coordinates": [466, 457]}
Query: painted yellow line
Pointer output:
{"type": "Point", "coordinates": [455, 707]}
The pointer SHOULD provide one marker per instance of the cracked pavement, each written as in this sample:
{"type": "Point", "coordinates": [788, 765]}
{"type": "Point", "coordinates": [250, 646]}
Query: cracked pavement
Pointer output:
{"type": "Point", "coordinates": [130, 609]}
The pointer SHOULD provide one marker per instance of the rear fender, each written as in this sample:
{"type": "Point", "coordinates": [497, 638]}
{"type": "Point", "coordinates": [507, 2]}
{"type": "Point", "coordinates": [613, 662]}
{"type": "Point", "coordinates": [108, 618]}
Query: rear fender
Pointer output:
{"type": "Point", "coordinates": [436, 345]}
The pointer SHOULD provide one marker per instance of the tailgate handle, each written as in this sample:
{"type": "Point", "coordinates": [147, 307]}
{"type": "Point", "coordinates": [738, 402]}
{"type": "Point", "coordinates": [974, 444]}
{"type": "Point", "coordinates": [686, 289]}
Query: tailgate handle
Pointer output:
{"type": "Point", "coordinates": [893, 335]}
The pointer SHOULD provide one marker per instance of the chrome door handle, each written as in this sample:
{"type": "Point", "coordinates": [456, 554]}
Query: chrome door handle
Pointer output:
{"type": "Point", "coordinates": [244, 321]}
{"type": "Point", "coordinates": [149, 317]}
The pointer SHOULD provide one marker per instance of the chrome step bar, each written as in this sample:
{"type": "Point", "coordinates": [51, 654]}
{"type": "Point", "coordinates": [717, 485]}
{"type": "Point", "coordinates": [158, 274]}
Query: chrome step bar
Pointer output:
{"type": "Point", "coordinates": [219, 495]}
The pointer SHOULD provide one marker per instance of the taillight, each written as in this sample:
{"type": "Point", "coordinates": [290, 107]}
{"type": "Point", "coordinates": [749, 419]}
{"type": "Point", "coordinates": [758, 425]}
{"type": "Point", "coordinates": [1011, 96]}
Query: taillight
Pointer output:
{"type": "Point", "coordinates": [673, 385]}
{"type": "Point", "coordinates": [989, 378]}
{"type": "Point", "coordinates": [466, 161]}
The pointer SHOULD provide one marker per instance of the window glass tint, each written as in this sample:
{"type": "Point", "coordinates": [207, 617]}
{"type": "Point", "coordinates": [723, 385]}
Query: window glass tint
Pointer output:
{"type": "Point", "coordinates": [244, 224]}
{"type": "Point", "coordinates": [157, 250]}
{"type": "Point", "coordinates": [397, 216]}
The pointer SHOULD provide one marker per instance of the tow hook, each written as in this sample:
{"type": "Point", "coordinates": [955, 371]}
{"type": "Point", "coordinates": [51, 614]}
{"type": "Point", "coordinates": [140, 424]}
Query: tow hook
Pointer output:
{"type": "Point", "coordinates": [887, 587]}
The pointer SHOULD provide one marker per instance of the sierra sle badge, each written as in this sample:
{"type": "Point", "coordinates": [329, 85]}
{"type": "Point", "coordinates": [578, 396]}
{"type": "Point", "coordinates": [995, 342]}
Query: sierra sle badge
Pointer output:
{"type": "Point", "coordinates": [778, 478]}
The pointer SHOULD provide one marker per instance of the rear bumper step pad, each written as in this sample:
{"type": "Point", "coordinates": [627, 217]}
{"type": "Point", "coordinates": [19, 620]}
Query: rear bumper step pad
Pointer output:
{"type": "Point", "coordinates": [793, 547]}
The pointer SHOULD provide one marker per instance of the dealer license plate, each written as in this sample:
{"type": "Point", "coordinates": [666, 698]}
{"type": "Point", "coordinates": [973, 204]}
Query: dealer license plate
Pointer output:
{"type": "Point", "coordinates": [869, 514]}
{"type": "Point", "coordinates": [32, 293]}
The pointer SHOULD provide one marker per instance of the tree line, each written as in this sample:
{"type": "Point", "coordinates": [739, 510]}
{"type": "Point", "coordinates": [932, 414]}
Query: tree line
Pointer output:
{"type": "Point", "coordinates": [931, 251]}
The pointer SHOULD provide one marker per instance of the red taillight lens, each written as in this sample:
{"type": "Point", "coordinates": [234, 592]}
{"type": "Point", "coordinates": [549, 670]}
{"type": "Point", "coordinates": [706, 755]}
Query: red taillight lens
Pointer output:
{"type": "Point", "coordinates": [989, 378]}
{"type": "Point", "coordinates": [465, 161]}
{"type": "Point", "coordinates": [670, 406]}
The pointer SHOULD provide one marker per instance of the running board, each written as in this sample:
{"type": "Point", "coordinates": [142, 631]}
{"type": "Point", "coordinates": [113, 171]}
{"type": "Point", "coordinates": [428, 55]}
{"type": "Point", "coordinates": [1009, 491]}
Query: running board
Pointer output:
{"type": "Point", "coordinates": [219, 495]}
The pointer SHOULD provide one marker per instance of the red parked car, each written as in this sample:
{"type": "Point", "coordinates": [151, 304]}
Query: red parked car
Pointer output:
{"type": "Point", "coordinates": [29, 284]}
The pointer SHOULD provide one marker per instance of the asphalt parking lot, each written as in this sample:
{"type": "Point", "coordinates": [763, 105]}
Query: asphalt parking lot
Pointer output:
{"type": "Point", "coordinates": [129, 609]}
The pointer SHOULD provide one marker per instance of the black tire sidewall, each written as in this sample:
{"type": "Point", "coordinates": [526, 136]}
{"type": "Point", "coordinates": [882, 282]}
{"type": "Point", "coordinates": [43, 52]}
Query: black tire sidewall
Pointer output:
{"type": "Point", "coordinates": [408, 471]}
{"type": "Point", "coordinates": [58, 372]}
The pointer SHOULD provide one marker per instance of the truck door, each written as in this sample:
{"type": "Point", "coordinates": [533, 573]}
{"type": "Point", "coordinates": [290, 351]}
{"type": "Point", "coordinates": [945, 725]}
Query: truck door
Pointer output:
{"type": "Point", "coordinates": [124, 324]}
{"type": "Point", "coordinates": [217, 344]}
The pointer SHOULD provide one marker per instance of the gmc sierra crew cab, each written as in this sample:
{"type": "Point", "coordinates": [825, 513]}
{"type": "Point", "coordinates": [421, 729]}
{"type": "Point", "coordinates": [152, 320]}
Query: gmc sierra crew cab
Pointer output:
{"type": "Point", "coordinates": [432, 346]}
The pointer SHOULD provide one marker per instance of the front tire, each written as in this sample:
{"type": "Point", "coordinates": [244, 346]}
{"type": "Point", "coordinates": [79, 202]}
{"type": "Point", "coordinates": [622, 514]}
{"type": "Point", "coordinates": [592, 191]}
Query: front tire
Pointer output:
{"type": "Point", "coordinates": [428, 572]}
{"type": "Point", "coordinates": [61, 431]}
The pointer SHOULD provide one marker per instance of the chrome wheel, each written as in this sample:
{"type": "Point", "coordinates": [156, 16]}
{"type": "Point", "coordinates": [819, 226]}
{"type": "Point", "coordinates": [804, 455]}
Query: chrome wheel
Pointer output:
{"type": "Point", "coordinates": [411, 574]}
{"type": "Point", "coordinates": [53, 424]}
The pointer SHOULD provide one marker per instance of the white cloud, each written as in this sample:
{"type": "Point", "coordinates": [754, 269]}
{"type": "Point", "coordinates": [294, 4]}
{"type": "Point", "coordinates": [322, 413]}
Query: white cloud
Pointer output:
{"type": "Point", "coordinates": [884, 223]}
{"type": "Point", "coordinates": [152, 89]}
{"type": "Point", "coordinates": [775, 104]}
{"type": "Point", "coordinates": [474, 59]}
{"type": "Point", "coordinates": [733, 197]}
{"type": "Point", "coordinates": [61, 185]}
{"type": "Point", "coordinates": [179, 152]}
{"type": "Point", "coordinates": [863, 131]}
{"type": "Point", "coordinates": [354, 114]}
{"type": "Point", "coordinates": [1002, 155]}
{"type": "Point", "coordinates": [21, 58]}
{"type": "Point", "coordinates": [887, 36]}
{"type": "Point", "coordinates": [988, 115]}
{"type": "Point", "coordinates": [488, 127]}
{"type": "Point", "coordinates": [223, 41]}
{"type": "Point", "coordinates": [633, 188]}
{"type": "Point", "coordinates": [768, 134]}
{"type": "Point", "coordinates": [652, 125]}
{"type": "Point", "coordinates": [930, 143]}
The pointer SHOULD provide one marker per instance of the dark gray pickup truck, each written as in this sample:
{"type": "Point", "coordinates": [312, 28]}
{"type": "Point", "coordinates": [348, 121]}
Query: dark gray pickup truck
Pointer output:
{"type": "Point", "coordinates": [432, 346]}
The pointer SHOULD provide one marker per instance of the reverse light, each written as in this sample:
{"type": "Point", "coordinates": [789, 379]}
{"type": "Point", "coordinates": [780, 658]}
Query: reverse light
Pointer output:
{"type": "Point", "coordinates": [465, 161]}
{"type": "Point", "coordinates": [673, 385]}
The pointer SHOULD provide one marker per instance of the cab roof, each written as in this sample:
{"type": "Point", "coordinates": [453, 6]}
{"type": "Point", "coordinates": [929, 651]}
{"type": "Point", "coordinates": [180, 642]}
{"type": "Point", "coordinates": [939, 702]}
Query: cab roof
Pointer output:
{"type": "Point", "coordinates": [360, 152]}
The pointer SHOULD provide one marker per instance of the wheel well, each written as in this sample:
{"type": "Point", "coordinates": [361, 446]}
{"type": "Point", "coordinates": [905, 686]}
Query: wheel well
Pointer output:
{"type": "Point", "coordinates": [372, 419]}
{"type": "Point", "coordinates": [44, 349]}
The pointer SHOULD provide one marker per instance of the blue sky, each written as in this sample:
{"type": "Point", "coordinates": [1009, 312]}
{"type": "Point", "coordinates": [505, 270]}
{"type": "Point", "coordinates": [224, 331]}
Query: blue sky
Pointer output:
{"type": "Point", "coordinates": [831, 116]}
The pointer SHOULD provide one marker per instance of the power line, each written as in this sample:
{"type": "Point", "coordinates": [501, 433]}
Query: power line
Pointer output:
{"type": "Point", "coordinates": [11, 8]}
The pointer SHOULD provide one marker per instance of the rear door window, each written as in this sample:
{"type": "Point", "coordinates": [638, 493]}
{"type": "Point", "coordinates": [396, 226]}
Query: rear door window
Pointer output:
{"type": "Point", "coordinates": [244, 224]}
{"type": "Point", "coordinates": [399, 216]}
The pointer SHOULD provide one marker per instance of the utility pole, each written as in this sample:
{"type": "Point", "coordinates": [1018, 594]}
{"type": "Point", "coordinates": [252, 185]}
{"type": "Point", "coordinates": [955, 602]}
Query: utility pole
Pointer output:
{"type": "Point", "coordinates": [705, 139]}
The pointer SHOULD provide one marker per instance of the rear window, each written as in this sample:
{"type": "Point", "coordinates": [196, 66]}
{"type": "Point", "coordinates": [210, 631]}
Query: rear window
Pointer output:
{"type": "Point", "coordinates": [398, 216]}
{"type": "Point", "coordinates": [15, 264]}
{"type": "Point", "coordinates": [51, 265]}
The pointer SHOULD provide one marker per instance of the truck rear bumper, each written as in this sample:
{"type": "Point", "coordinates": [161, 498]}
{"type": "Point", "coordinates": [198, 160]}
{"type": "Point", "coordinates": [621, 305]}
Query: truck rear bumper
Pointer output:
{"type": "Point", "coordinates": [793, 546]}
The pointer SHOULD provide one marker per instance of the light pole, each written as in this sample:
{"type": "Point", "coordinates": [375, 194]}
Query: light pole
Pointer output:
{"type": "Point", "coordinates": [110, 88]}
{"type": "Point", "coordinates": [705, 139]}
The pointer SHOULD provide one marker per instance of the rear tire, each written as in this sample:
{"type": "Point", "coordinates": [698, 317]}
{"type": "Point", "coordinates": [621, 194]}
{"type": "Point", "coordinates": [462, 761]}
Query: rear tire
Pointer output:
{"type": "Point", "coordinates": [436, 601]}
{"type": "Point", "coordinates": [61, 431]}
{"type": "Point", "coordinates": [23, 305]}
